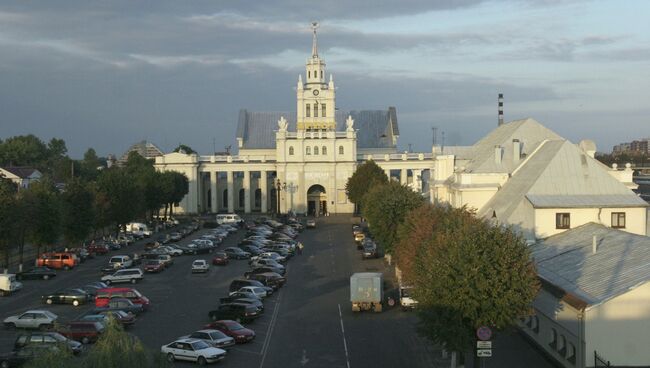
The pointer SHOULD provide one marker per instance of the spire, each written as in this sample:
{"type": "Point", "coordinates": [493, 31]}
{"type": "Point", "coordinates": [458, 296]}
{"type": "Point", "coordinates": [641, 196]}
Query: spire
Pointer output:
{"type": "Point", "coordinates": [314, 45]}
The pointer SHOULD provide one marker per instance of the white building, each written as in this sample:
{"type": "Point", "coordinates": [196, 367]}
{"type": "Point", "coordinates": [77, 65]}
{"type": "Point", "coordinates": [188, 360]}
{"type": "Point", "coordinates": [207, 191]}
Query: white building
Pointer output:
{"type": "Point", "coordinates": [21, 176]}
{"type": "Point", "coordinates": [595, 297]}
{"type": "Point", "coordinates": [308, 155]}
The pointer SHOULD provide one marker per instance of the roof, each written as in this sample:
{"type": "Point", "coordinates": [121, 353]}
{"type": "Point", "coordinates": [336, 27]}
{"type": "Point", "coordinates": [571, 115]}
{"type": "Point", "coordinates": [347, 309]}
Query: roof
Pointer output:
{"type": "Point", "coordinates": [257, 129]}
{"type": "Point", "coordinates": [144, 148]}
{"type": "Point", "coordinates": [620, 264]}
{"type": "Point", "coordinates": [586, 200]}
{"type": "Point", "coordinates": [21, 171]}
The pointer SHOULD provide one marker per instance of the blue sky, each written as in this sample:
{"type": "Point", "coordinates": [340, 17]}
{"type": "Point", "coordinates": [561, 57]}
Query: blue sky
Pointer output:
{"type": "Point", "coordinates": [106, 75]}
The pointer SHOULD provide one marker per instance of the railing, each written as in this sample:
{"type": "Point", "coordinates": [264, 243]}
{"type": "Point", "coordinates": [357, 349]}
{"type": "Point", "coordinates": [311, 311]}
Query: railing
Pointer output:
{"type": "Point", "coordinates": [236, 158]}
{"type": "Point", "coordinates": [396, 156]}
{"type": "Point", "coordinates": [600, 361]}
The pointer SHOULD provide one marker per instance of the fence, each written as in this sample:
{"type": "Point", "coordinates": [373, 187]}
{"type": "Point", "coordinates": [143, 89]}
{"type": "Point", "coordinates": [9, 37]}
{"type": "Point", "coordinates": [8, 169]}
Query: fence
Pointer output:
{"type": "Point", "coordinates": [600, 361]}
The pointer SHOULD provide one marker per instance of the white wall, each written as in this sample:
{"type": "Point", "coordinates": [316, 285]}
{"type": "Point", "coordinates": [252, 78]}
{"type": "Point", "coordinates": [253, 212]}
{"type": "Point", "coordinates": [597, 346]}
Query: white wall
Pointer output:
{"type": "Point", "coordinates": [635, 219]}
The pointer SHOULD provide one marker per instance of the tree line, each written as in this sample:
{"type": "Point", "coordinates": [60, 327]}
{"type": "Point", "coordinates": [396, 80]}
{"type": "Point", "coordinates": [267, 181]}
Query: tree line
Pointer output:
{"type": "Point", "coordinates": [73, 205]}
{"type": "Point", "coordinates": [466, 272]}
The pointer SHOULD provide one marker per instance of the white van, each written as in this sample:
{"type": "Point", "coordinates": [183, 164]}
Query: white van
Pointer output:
{"type": "Point", "coordinates": [120, 262]}
{"type": "Point", "coordinates": [8, 284]}
{"type": "Point", "coordinates": [138, 228]}
{"type": "Point", "coordinates": [229, 218]}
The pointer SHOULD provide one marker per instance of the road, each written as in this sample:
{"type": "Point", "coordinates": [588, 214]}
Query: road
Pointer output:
{"type": "Point", "coordinates": [308, 323]}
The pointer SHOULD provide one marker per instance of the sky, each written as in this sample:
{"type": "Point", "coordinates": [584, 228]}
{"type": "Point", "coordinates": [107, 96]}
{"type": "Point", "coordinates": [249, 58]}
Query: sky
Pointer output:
{"type": "Point", "coordinates": [112, 73]}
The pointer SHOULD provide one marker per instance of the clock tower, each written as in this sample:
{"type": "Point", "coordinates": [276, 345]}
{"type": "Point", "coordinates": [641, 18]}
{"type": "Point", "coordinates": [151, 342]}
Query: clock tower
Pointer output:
{"type": "Point", "coordinates": [315, 110]}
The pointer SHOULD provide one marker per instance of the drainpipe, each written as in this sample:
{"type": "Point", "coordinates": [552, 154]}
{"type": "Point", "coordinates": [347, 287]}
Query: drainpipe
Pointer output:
{"type": "Point", "coordinates": [581, 355]}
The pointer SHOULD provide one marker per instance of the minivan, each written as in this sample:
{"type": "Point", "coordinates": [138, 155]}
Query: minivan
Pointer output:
{"type": "Point", "coordinates": [105, 295]}
{"type": "Point", "coordinates": [229, 218]}
{"type": "Point", "coordinates": [131, 275]}
{"type": "Point", "coordinates": [120, 262]}
{"type": "Point", "coordinates": [63, 260]}
{"type": "Point", "coordinates": [240, 283]}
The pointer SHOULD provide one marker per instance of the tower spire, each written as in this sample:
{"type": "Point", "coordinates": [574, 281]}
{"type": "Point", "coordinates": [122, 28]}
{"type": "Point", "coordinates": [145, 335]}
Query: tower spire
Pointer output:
{"type": "Point", "coordinates": [314, 45]}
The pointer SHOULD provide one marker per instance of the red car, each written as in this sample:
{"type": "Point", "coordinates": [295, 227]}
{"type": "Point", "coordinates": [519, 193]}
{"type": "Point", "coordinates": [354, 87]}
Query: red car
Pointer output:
{"type": "Point", "coordinates": [82, 331]}
{"type": "Point", "coordinates": [233, 329]}
{"type": "Point", "coordinates": [153, 265]}
{"type": "Point", "coordinates": [220, 258]}
{"type": "Point", "coordinates": [97, 249]}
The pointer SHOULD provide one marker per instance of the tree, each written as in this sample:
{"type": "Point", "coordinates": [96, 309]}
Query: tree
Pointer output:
{"type": "Point", "coordinates": [148, 181]}
{"type": "Point", "coordinates": [42, 214]}
{"type": "Point", "coordinates": [77, 211]}
{"type": "Point", "coordinates": [467, 273]}
{"type": "Point", "coordinates": [124, 200]}
{"type": "Point", "coordinates": [184, 149]}
{"type": "Point", "coordinates": [367, 176]}
{"type": "Point", "coordinates": [8, 222]}
{"type": "Point", "coordinates": [89, 165]}
{"type": "Point", "coordinates": [385, 207]}
{"type": "Point", "coordinates": [174, 186]}
{"type": "Point", "coordinates": [23, 150]}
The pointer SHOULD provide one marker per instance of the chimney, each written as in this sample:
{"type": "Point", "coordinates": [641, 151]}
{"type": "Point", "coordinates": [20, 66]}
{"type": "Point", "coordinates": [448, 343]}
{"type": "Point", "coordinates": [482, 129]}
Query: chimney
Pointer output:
{"type": "Point", "coordinates": [497, 154]}
{"type": "Point", "coordinates": [594, 245]}
{"type": "Point", "coordinates": [516, 153]}
{"type": "Point", "coordinates": [500, 109]}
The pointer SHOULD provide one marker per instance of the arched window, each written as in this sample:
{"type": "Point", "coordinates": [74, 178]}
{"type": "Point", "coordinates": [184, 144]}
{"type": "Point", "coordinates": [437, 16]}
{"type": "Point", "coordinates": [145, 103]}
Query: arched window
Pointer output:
{"type": "Point", "coordinates": [316, 110]}
{"type": "Point", "coordinates": [341, 150]}
{"type": "Point", "coordinates": [308, 111]}
{"type": "Point", "coordinates": [291, 151]}
{"type": "Point", "coordinates": [553, 342]}
{"type": "Point", "coordinates": [324, 150]}
{"type": "Point", "coordinates": [561, 346]}
{"type": "Point", "coordinates": [571, 353]}
{"type": "Point", "coordinates": [315, 150]}
{"type": "Point", "coordinates": [224, 198]}
{"type": "Point", "coordinates": [308, 150]}
{"type": "Point", "coordinates": [323, 110]}
{"type": "Point", "coordinates": [309, 74]}
{"type": "Point", "coordinates": [258, 198]}
{"type": "Point", "coordinates": [242, 198]}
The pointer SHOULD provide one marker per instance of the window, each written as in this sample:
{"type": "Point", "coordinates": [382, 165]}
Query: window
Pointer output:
{"type": "Point", "coordinates": [242, 198]}
{"type": "Point", "coordinates": [563, 220]}
{"type": "Point", "coordinates": [321, 74]}
{"type": "Point", "coordinates": [341, 150]}
{"type": "Point", "coordinates": [315, 150]}
{"type": "Point", "coordinates": [316, 110]}
{"type": "Point", "coordinates": [323, 110]}
{"type": "Point", "coordinates": [553, 342]}
{"type": "Point", "coordinates": [571, 353]}
{"type": "Point", "coordinates": [561, 347]}
{"type": "Point", "coordinates": [308, 151]}
{"type": "Point", "coordinates": [291, 151]}
{"type": "Point", "coordinates": [308, 111]}
{"type": "Point", "coordinates": [618, 220]}
{"type": "Point", "coordinates": [324, 150]}
{"type": "Point", "coordinates": [309, 74]}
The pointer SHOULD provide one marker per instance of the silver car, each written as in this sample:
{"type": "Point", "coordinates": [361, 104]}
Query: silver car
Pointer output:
{"type": "Point", "coordinates": [34, 319]}
{"type": "Point", "coordinates": [214, 338]}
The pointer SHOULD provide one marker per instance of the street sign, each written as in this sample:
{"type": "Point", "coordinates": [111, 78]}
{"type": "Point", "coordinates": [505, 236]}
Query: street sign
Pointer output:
{"type": "Point", "coordinates": [484, 344]}
{"type": "Point", "coordinates": [484, 333]}
{"type": "Point", "coordinates": [484, 353]}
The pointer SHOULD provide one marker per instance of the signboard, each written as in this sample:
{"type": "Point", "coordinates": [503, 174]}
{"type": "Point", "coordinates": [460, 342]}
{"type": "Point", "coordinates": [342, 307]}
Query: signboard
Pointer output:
{"type": "Point", "coordinates": [484, 353]}
{"type": "Point", "coordinates": [484, 344]}
{"type": "Point", "coordinates": [484, 333]}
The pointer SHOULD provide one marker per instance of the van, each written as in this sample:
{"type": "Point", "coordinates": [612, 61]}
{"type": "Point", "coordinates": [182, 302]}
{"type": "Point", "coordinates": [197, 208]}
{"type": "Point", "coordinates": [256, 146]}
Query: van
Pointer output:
{"type": "Point", "coordinates": [8, 284]}
{"type": "Point", "coordinates": [120, 262]}
{"type": "Point", "coordinates": [138, 228]}
{"type": "Point", "coordinates": [105, 295]}
{"type": "Point", "coordinates": [62, 260]}
{"type": "Point", "coordinates": [229, 218]}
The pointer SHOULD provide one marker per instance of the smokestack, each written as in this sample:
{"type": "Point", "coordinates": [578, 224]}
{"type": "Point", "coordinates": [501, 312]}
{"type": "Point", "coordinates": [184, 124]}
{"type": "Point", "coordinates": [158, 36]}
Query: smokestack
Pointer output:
{"type": "Point", "coordinates": [516, 153]}
{"type": "Point", "coordinates": [500, 109]}
{"type": "Point", "coordinates": [594, 245]}
{"type": "Point", "coordinates": [497, 154]}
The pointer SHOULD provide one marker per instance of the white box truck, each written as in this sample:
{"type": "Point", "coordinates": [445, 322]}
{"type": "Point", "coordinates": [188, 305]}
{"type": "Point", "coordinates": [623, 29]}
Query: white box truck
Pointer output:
{"type": "Point", "coordinates": [9, 284]}
{"type": "Point", "coordinates": [367, 291]}
{"type": "Point", "coordinates": [139, 229]}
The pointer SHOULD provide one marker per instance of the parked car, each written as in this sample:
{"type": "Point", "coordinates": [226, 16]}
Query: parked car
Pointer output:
{"type": "Point", "coordinates": [237, 284]}
{"type": "Point", "coordinates": [220, 258]}
{"type": "Point", "coordinates": [106, 294]}
{"type": "Point", "coordinates": [264, 269]}
{"type": "Point", "coordinates": [122, 304]}
{"type": "Point", "coordinates": [85, 332]}
{"type": "Point", "coordinates": [213, 338]}
{"type": "Point", "coordinates": [131, 275]}
{"type": "Point", "coordinates": [121, 261]}
{"type": "Point", "coordinates": [233, 329]}
{"type": "Point", "coordinates": [98, 248]}
{"type": "Point", "coordinates": [172, 251]}
{"type": "Point", "coordinates": [200, 265]}
{"type": "Point", "coordinates": [369, 251]}
{"type": "Point", "coordinates": [153, 265]}
{"type": "Point", "coordinates": [266, 262]}
{"type": "Point", "coordinates": [255, 290]}
{"type": "Point", "coordinates": [66, 296]}
{"type": "Point", "coordinates": [36, 273]}
{"type": "Point", "coordinates": [238, 298]}
{"type": "Point", "coordinates": [99, 318]}
{"type": "Point", "coordinates": [236, 311]}
{"type": "Point", "coordinates": [252, 249]}
{"type": "Point", "coordinates": [63, 260]}
{"type": "Point", "coordinates": [270, 279]}
{"type": "Point", "coordinates": [19, 357]}
{"type": "Point", "coordinates": [91, 290]}
{"type": "Point", "coordinates": [123, 318]}
{"type": "Point", "coordinates": [192, 350]}
{"type": "Point", "coordinates": [32, 319]}
{"type": "Point", "coordinates": [47, 338]}
{"type": "Point", "coordinates": [236, 253]}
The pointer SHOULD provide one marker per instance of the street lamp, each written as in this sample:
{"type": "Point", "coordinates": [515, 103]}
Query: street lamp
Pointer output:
{"type": "Point", "coordinates": [279, 186]}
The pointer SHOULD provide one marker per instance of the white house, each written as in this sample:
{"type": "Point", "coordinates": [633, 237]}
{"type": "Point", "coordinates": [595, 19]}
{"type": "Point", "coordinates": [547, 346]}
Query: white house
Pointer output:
{"type": "Point", "coordinates": [595, 297]}
{"type": "Point", "coordinates": [22, 176]}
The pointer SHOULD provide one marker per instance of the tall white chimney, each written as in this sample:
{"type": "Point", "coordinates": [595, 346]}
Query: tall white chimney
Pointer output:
{"type": "Point", "coordinates": [516, 153]}
{"type": "Point", "coordinates": [498, 152]}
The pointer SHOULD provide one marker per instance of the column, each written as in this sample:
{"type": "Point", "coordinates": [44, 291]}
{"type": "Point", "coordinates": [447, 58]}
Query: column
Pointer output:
{"type": "Point", "coordinates": [387, 171]}
{"type": "Point", "coordinates": [213, 191]}
{"type": "Point", "coordinates": [403, 177]}
{"type": "Point", "coordinates": [264, 188]}
{"type": "Point", "coordinates": [417, 180]}
{"type": "Point", "coordinates": [231, 190]}
{"type": "Point", "coordinates": [247, 191]}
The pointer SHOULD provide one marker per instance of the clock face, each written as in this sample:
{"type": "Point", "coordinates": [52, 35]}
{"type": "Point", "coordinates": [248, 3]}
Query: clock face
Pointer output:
{"type": "Point", "coordinates": [316, 92]}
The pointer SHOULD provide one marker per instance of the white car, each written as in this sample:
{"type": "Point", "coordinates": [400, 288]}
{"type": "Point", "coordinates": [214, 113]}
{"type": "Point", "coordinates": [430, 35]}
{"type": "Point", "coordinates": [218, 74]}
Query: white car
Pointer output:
{"type": "Point", "coordinates": [171, 250]}
{"type": "Point", "coordinates": [120, 262]}
{"type": "Point", "coordinates": [192, 350]}
{"type": "Point", "coordinates": [310, 224]}
{"type": "Point", "coordinates": [203, 242]}
{"type": "Point", "coordinates": [200, 265]}
{"type": "Point", "coordinates": [40, 319]}
{"type": "Point", "coordinates": [131, 275]}
{"type": "Point", "coordinates": [214, 338]}
{"type": "Point", "coordinates": [255, 290]}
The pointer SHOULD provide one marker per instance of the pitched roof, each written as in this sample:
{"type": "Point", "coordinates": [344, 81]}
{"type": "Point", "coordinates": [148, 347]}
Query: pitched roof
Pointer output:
{"type": "Point", "coordinates": [621, 262]}
{"type": "Point", "coordinates": [257, 129]}
{"type": "Point", "coordinates": [144, 148]}
{"type": "Point", "coordinates": [21, 171]}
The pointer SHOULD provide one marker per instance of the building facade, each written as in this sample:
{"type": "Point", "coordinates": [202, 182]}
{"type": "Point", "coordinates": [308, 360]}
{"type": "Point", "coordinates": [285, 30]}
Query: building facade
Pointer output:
{"type": "Point", "coordinates": [301, 160]}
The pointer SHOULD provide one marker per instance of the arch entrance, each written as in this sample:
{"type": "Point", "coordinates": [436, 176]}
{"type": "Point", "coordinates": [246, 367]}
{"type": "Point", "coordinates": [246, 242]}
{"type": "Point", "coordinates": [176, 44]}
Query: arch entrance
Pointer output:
{"type": "Point", "coordinates": [316, 200]}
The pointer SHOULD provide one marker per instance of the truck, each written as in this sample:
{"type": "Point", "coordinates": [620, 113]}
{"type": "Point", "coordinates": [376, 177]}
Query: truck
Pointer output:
{"type": "Point", "coordinates": [405, 299]}
{"type": "Point", "coordinates": [367, 291]}
{"type": "Point", "coordinates": [139, 229]}
{"type": "Point", "coordinates": [9, 284]}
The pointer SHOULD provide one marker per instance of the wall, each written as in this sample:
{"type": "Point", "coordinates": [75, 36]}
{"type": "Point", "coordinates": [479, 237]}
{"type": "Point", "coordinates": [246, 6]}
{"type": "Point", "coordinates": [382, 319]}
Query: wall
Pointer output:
{"type": "Point", "coordinates": [619, 329]}
{"type": "Point", "coordinates": [635, 219]}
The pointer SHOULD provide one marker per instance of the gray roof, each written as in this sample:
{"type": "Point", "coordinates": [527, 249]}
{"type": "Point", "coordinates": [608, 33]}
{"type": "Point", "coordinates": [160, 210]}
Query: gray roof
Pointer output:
{"type": "Point", "coordinates": [621, 262]}
{"type": "Point", "coordinates": [585, 200]}
{"type": "Point", "coordinates": [257, 129]}
{"type": "Point", "coordinates": [21, 171]}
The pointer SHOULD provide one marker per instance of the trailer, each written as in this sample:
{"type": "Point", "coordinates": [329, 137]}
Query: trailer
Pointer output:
{"type": "Point", "coordinates": [367, 291]}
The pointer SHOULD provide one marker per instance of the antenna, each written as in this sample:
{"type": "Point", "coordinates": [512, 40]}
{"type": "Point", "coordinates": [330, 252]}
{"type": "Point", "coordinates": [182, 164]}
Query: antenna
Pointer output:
{"type": "Point", "coordinates": [442, 149]}
{"type": "Point", "coordinates": [214, 145]}
{"type": "Point", "coordinates": [500, 100]}
{"type": "Point", "coordinates": [410, 148]}
{"type": "Point", "coordinates": [434, 130]}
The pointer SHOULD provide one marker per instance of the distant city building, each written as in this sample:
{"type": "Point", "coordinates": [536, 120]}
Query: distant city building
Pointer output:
{"type": "Point", "coordinates": [22, 176]}
{"type": "Point", "coordinates": [641, 146]}
{"type": "Point", "coordinates": [146, 149]}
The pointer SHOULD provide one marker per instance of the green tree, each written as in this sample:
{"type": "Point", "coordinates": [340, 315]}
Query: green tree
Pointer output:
{"type": "Point", "coordinates": [8, 223]}
{"type": "Point", "coordinates": [385, 207]}
{"type": "Point", "coordinates": [174, 186]}
{"type": "Point", "coordinates": [124, 199]}
{"type": "Point", "coordinates": [184, 149]}
{"type": "Point", "coordinates": [42, 213]}
{"type": "Point", "coordinates": [77, 211]}
{"type": "Point", "coordinates": [148, 181]}
{"type": "Point", "coordinates": [89, 165]}
{"type": "Point", "coordinates": [23, 150]}
{"type": "Point", "coordinates": [367, 176]}
{"type": "Point", "coordinates": [467, 273]}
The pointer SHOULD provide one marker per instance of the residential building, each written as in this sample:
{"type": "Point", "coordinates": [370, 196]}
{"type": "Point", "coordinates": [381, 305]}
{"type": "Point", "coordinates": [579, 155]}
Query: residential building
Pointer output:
{"type": "Point", "coordinates": [21, 176]}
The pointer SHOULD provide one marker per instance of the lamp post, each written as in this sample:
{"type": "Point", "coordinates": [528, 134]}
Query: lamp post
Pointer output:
{"type": "Point", "coordinates": [279, 186]}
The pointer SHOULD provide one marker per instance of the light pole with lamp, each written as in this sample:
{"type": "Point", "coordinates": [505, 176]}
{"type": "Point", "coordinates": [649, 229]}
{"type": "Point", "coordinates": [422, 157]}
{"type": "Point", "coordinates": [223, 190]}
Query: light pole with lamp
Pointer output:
{"type": "Point", "coordinates": [279, 186]}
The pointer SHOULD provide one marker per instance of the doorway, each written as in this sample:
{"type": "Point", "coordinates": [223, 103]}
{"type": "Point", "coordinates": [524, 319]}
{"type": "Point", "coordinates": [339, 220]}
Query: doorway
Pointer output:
{"type": "Point", "coordinates": [316, 201]}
